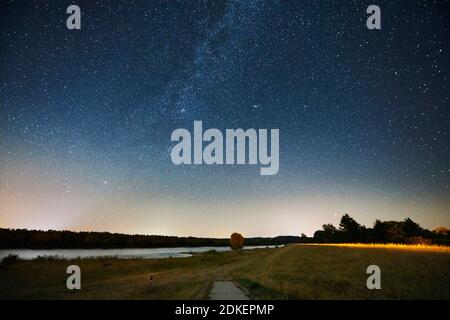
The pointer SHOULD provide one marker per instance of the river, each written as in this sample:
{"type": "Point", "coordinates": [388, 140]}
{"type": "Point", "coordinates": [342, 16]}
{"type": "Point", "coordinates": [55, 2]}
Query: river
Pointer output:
{"type": "Point", "coordinates": [131, 253]}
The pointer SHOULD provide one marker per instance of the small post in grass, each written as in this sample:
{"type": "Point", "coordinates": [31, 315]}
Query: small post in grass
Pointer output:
{"type": "Point", "coordinates": [150, 280]}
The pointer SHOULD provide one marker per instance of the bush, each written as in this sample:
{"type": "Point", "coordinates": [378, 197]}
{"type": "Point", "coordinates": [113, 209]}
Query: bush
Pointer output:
{"type": "Point", "coordinates": [419, 240]}
{"type": "Point", "coordinates": [9, 260]}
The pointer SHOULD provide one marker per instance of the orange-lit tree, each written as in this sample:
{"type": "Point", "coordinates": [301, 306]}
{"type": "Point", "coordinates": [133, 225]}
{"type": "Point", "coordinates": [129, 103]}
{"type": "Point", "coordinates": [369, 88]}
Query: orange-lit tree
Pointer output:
{"type": "Point", "coordinates": [236, 241]}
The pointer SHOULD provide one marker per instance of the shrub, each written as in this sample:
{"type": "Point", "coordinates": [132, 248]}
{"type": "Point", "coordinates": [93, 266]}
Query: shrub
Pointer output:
{"type": "Point", "coordinates": [419, 240]}
{"type": "Point", "coordinates": [9, 260]}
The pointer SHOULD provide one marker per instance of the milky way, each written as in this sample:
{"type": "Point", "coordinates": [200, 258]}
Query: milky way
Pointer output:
{"type": "Point", "coordinates": [86, 115]}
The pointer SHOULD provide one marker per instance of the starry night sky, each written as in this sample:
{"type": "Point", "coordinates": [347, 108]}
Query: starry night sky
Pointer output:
{"type": "Point", "coordinates": [86, 115]}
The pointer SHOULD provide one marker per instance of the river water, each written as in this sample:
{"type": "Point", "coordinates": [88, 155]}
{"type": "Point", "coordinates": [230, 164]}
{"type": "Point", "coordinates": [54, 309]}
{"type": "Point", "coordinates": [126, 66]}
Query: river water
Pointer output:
{"type": "Point", "coordinates": [143, 253]}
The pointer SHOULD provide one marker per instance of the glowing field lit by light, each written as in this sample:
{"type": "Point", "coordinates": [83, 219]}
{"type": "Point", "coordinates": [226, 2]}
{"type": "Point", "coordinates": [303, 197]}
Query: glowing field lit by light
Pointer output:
{"type": "Point", "coordinates": [391, 246]}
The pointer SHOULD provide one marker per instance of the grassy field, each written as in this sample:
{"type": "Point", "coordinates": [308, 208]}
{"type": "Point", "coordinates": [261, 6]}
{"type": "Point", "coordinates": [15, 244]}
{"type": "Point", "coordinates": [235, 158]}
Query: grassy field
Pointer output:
{"type": "Point", "coordinates": [291, 272]}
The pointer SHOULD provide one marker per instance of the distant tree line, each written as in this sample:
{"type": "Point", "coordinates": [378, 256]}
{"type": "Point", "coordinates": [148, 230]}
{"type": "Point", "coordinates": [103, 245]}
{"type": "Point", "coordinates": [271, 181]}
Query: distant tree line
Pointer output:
{"type": "Point", "coordinates": [406, 231]}
{"type": "Point", "coordinates": [37, 239]}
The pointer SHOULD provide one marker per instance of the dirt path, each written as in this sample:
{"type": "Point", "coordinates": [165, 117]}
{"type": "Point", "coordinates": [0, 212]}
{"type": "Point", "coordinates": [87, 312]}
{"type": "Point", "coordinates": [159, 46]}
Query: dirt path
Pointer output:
{"type": "Point", "coordinates": [226, 290]}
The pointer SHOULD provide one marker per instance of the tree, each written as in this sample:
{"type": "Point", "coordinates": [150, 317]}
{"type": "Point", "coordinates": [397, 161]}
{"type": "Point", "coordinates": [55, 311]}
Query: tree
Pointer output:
{"type": "Point", "coordinates": [328, 234]}
{"type": "Point", "coordinates": [441, 235]}
{"type": "Point", "coordinates": [378, 232]}
{"type": "Point", "coordinates": [236, 241]}
{"type": "Point", "coordinates": [442, 231]}
{"type": "Point", "coordinates": [411, 228]}
{"type": "Point", "coordinates": [352, 230]}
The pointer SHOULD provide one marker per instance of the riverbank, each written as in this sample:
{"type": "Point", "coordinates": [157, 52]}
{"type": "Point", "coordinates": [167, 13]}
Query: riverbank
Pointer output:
{"type": "Point", "coordinates": [294, 271]}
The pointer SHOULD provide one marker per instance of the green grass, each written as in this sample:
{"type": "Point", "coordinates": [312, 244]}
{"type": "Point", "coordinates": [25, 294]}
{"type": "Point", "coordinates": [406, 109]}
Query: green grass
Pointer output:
{"type": "Point", "coordinates": [291, 272]}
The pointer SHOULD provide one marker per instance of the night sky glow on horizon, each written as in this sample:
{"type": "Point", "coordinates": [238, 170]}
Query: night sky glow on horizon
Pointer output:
{"type": "Point", "coordinates": [86, 115]}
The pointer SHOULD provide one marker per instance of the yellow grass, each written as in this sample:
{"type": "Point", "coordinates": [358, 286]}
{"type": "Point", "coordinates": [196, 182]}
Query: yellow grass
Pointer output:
{"type": "Point", "coordinates": [395, 246]}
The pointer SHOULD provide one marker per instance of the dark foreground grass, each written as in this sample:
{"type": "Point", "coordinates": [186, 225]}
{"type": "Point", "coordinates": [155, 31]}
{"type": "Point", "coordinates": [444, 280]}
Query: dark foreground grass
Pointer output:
{"type": "Point", "coordinates": [258, 291]}
{"type": "Point", "coordinates": [294, 272]}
